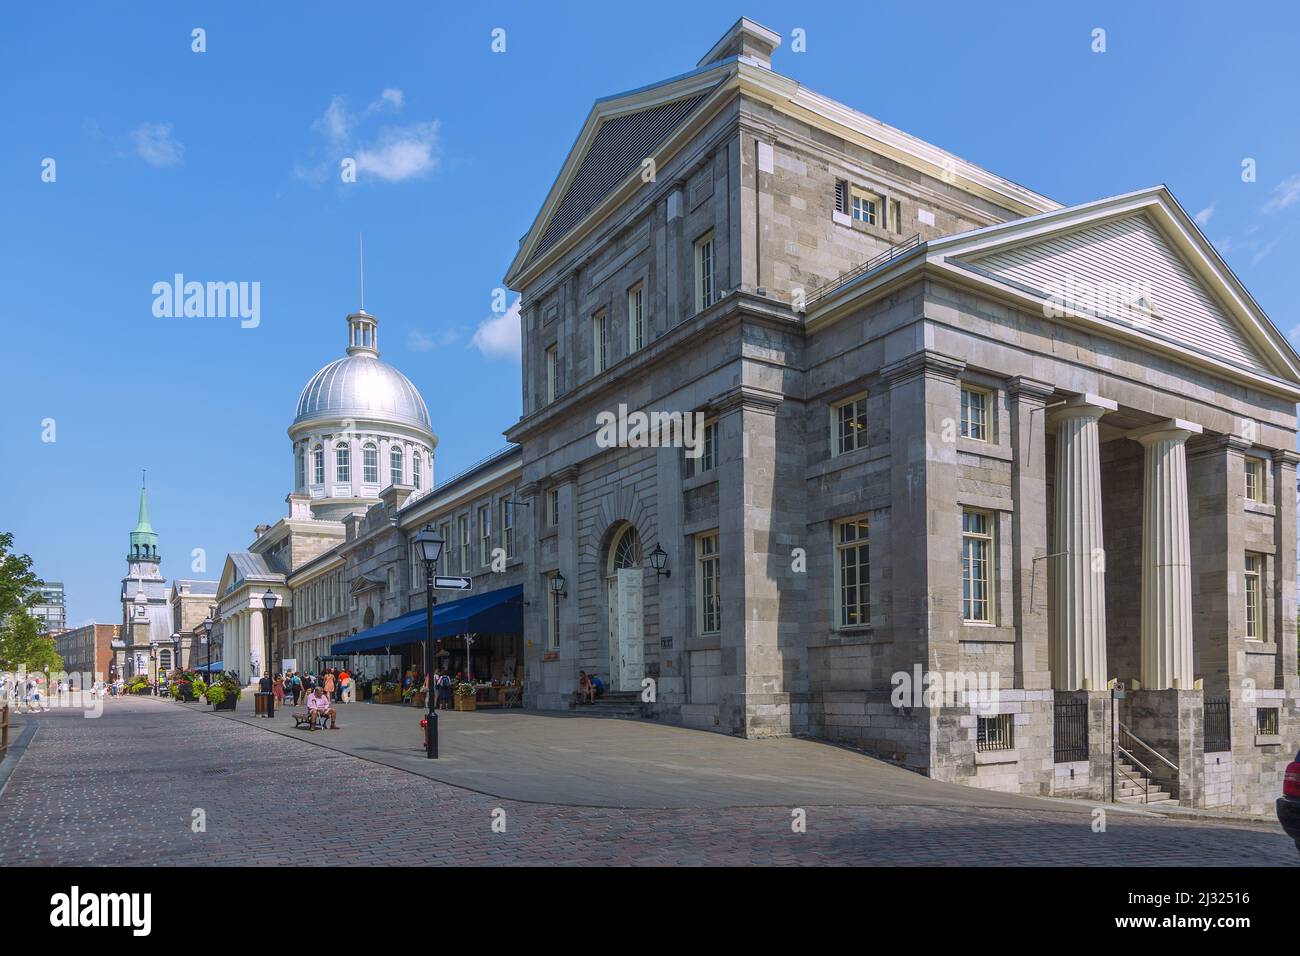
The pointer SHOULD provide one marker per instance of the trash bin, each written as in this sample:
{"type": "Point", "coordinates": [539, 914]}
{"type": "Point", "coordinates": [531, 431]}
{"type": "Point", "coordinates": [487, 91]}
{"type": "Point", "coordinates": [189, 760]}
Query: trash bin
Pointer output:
{"type": "Point", "coordinates": [263, 704]}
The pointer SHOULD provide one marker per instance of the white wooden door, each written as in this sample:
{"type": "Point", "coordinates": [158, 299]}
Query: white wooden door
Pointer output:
{"type": "Point", "coordinates": [631, 642]}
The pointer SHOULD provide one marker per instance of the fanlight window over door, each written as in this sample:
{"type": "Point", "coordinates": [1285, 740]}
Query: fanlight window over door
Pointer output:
{"type": "Point", "coordinates": [627, 550]}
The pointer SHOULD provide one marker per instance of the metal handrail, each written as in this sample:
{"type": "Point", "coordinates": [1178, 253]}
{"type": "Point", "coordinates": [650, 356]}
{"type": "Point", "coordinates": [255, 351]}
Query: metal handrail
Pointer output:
{"type": "Point", "coordinates": [1158, 755]}
{"type": "Point", "coordinates": [1145, 781]}
{"type": "Point", "coordinates": [875, 261]}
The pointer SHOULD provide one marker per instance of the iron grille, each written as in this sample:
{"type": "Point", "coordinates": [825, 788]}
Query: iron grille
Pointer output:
{"type": "Point", "coordinates": [994, 733]}
{"type": "Point", "coordinates": [1218, 725]}
{"type": "Point", "coordinates": [1071, 730]}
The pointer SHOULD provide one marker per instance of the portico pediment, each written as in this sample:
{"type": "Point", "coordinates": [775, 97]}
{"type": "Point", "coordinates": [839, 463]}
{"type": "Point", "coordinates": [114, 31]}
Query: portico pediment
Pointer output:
{"type": "Point", "coordinates": [1135, 266]}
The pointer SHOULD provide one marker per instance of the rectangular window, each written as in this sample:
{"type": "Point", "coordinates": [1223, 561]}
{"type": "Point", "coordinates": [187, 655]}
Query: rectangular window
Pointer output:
{"type": "Point", "coordinates": [895, 216]}
{"type": "Point", "coordinates": [463, 523]}
{"type": "Point", "coordinates": [553, 615]}
{"type": "Point", "coordinates": [484, 535]}
{"type": "Point", "coordinates": [447, 544]}
{"type": "Point", "coordinates": [318, 466]}
{"type": "Point", "coordinates": [302, 470]}
{"type": "Point", "coordinates": [866, 206]}
{"type": "Point", "coordinates": [852, 573]}
{"type": "Point", "coordinates": [708, 457]}
{"type": "Point", "coordinates": [370, 465]}
{"type": "Point", "coordinates": [395, 466]}
{"type": "Point", "coordinates": [976, 414]}
{"type": "Point", "coordinates": [1254, 480]}
{"type": "Point", "coordinates": [635, 318]}
{"type": "Point", "coordinates": [600, 342]}
{"type": "Point", "coordinates": [342, 463]}
{"type": "Point", "coordinates": [995, 733]}
{"type": "Point", "coordinates": [508, 526]}
{"type": "Point", "coordinates": [552, 371]}
{"type": "Point", "coordinates": [708, 581]}
{"type": "Point", "coordinates": [552, 507]}
{"type": "Point", "coordinates": [1266, 721]}
{"type": "Point", "coordinates": [1254, 596]}
{"type": "Point", "coordinates": [704, 277]}
{"type": "Point", "coordinates": [977, 566]}
{"type": "Point", "coordinates": [849, 424]}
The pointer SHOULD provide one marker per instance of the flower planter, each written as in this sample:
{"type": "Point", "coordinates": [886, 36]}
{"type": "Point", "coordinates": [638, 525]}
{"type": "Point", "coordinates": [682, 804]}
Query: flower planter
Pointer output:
{"type": "Point", "coordinates": [465, 701]}
{"type": "Point", "coordinates": [418, 699]}
{"type": "Point", "coordinates": [227, 704]}
{"type": "Point", "coordinates": [388, 697]}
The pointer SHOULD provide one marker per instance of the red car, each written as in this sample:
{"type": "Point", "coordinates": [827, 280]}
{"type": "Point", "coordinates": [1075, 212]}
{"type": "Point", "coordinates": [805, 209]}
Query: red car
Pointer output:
{"type": "Point", "coordinates": [1288, 805]}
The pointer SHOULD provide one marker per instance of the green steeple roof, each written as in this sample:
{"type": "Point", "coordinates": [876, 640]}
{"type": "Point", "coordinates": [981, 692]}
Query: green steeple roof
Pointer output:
{"type": "Point", "coordinates": [144, 541]}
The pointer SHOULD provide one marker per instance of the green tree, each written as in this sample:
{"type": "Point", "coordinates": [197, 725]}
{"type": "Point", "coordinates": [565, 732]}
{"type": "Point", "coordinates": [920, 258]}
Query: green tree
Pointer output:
{"type": "Point", "coordinates": [17, 582]}
{"type": "Point", "coordinates": [21, 642]}
{"type": "Point", "coordinates": [23, 645]}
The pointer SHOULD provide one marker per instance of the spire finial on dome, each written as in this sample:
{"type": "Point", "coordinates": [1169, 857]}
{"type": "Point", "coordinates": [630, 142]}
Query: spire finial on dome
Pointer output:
{"type": "Point", "coordinates": [361, 241]}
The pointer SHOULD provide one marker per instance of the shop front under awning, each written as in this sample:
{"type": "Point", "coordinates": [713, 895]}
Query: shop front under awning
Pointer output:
{"type": "Point", "coordinates": [493, 612]}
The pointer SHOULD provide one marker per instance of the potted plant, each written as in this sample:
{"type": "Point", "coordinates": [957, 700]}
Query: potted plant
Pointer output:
{"type": "Point", "coordinates": [464, 697]}
{"type": "Point", "coordinates": [224, 694]}
{"type": "Point", "coordinates": [386, 692]}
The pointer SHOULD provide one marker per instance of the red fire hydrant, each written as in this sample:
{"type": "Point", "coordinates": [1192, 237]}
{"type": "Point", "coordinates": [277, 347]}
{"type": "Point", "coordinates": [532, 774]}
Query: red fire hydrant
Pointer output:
{"type": "Point", "coordinates": [430, 747]}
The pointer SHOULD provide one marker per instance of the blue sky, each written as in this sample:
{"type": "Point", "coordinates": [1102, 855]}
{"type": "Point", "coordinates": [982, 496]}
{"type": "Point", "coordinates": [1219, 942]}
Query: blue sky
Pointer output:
{"type": "Point", "coordinates": [223, 166]}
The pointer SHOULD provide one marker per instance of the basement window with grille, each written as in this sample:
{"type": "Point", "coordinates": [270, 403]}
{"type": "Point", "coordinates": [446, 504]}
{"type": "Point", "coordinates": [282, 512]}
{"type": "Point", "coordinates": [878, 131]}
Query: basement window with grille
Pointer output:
{"type": "Point", "coordinates": [1266, 721]}
{"type": "Point", "coordinates": [994, 733]}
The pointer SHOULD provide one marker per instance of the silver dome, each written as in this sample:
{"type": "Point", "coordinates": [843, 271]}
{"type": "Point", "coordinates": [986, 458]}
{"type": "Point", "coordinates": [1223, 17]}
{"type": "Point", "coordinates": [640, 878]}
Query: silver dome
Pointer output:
{"type": "Point", "coordinates": [361, 386]}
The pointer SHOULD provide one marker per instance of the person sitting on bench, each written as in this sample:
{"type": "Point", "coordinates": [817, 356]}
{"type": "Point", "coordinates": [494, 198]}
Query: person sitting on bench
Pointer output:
{"type": "Point", "coordinates": [318, 702]}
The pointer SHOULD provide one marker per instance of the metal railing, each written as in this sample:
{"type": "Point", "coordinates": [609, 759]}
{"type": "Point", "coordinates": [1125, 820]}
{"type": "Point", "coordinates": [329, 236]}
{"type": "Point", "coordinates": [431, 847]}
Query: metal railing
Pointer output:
{"type": "Point", "coordinates": [875, 262]}
{"type": "Point", "coordinates": [995, 733]}
{"type": "Point", "coordinates": [1071, 730]}
{"type": "Point", "coordinates": [1144, 781]}
{"type": "Point", "coordinates": [1218, 725]}
{"type": "Point", "coordinates": [1129, 741]}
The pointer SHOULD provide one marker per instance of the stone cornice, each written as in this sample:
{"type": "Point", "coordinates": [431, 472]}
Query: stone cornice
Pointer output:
{"type": "Point", "coordinates": [1285, 456]}
{"type": "Point", "coordinates": [925, 362]}
{"type": "Point", "coordinates": [748, 397]}
{"type": "Point", "coordinates": [1024, 387]}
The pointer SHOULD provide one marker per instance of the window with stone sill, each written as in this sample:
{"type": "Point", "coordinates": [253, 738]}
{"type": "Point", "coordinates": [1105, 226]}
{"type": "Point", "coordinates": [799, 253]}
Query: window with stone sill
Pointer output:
{"type": "Point", "coordinates": [1266, 722]}
{"type": "Point", "coordinates": [977, 566]}
{"type": "Point", "coordinates": [1254, 597]}
{"type": "Point", "coordinates": [849, 425]}
{"type": "Point", "coordinates": [852, 573]}
{"type": "Point", "coordinates": [707, 460]}
{"type": "Point", "coordinates": [976, 414]}
{"type": "Point", "coordinates": [995, 733]}
{"type": "Point", "coordinates": [865, 206]}
{"type": "Point", "coordinates": [1254, 469]}
{"type": "Point", "coordinates": [552, 507]}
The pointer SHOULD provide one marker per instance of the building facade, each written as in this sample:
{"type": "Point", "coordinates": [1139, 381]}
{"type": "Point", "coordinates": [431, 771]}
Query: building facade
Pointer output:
{"type": "Point", "coordinates": [88, 649]}
{"type": "Point", "coordinates": [50, 610]}
{"type": "Point", "coordinates": [951, 431]}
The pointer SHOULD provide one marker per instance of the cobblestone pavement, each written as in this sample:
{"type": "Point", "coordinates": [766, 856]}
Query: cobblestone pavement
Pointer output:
{"type": "Point", "coordinates": [127, 788]}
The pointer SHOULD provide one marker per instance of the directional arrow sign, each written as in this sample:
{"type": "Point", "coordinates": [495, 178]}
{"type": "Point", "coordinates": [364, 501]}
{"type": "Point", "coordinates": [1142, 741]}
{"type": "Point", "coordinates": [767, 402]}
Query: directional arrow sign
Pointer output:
{"type": "Point", "coordinates": [453, 584]}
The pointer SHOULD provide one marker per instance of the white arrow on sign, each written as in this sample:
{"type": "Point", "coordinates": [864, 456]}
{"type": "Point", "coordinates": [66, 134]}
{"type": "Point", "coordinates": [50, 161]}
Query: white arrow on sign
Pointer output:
{"type": "Point", "coordinates": [453, 584]}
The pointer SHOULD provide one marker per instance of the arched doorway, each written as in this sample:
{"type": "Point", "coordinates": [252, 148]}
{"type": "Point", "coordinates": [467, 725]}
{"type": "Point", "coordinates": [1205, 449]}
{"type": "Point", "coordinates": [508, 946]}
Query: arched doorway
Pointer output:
{"type": "Point", "coordinates": [623, 578]}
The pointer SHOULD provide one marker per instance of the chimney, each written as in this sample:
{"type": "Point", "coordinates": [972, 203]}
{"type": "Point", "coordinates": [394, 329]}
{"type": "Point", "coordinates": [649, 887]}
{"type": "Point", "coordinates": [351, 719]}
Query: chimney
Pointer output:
{"type": "Point", "coordinates": [394, 497]}
{"type": "Point", "coordinates": [748, 40]}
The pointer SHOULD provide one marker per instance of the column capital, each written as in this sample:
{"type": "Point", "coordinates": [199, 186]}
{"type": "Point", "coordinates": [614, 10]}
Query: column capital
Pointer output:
{"type": "Point", "coordinates": [924, 362]}
{"type": "Point", "coordinates": [1086, 405]}
{"type": "Point", "coordinates": [569, 473]}
{"type": "Point", "coordinates": [749, 397]}
{"type": "Point", "coordinates": [1285, 456]}
{"type": "Point", "coordinates": [1171, 429]}
{"type": "Point", "coordinates": [1030, 389]}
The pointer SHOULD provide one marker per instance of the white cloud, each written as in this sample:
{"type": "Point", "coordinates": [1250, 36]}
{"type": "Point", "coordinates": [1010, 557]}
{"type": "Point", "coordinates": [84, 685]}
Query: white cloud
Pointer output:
{"type": "Point", "coordinates": [1203, 217]}
{"type": "Point", "coordinates": [1286, 193]}
{"type": "Point", "coordinates": [153, 143]}
{"type": "Point", "coordinates": [394, 154]}
{"type": "Point", "coordinates": [418, 340]}
{"type": "Point", "coordinates": [403, 152]}
{"type": "Point", "coordinates": [498, 337]}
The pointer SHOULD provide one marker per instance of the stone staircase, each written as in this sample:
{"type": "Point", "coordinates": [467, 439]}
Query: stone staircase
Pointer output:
{"type": "Point", "coordinates": [1128, 786]}
{"type": "Point", "coordinates": [620, 704]}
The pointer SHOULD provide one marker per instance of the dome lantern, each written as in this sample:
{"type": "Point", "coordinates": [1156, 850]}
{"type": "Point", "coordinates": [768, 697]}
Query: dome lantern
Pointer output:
{"type": "Point", "coordinates": [363, 334]}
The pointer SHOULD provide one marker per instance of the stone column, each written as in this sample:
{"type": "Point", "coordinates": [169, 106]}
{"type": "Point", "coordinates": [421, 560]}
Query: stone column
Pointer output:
{"type": "Point", "coordinates": [1166, 557]}
{"type": "Point", "coordinates": [1029, 531]}
{"type": "Point", "coordinates": [1284, 568]}
{"type": "Point", "coordinates": [1078, 564]}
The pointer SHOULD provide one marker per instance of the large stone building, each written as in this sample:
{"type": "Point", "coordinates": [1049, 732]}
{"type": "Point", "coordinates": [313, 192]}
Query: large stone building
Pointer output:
{"type": "Point", "coordinates": [88, 649]}
{"type": "Point", "coordinates": [951, 428]}
{"type": "Point", "coordinates": [968, 462]}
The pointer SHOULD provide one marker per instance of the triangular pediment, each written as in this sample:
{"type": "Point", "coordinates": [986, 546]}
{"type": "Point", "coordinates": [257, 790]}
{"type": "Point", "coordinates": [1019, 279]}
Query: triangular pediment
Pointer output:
{"type": "Point", "coordinates": [1134, 264]}
{"type": "Point", "coordinates": [619, 135]}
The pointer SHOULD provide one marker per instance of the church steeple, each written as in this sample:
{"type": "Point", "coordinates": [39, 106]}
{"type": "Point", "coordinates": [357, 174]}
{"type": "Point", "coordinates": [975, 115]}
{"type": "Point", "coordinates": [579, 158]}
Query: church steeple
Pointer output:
{"type": "Point", "coordinates": [144, 541]}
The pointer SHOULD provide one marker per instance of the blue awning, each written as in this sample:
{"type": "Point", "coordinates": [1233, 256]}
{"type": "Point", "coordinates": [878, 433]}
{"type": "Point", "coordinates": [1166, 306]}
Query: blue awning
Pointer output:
{"type": "Point", "coordinates": [215, 666]}
{"type": "Point", "coordinates": [492, 612]}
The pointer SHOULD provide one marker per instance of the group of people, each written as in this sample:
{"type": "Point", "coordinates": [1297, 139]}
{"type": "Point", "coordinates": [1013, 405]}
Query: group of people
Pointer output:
{"type": "Point", "coordinates": [590, 686]}
{"type": "Point", "coordinates": [320, 693]}
{"type": "Point", "coordinates": [443, 684]}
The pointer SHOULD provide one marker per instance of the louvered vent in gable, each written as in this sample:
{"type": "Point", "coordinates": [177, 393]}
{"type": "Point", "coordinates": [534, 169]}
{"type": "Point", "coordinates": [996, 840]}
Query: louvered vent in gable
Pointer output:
{"type": "Point", "coordinates": [617, 150]}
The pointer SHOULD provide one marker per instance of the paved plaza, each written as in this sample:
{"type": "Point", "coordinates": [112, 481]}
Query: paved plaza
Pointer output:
{"type": "Point", "coordinates": [153, 782]}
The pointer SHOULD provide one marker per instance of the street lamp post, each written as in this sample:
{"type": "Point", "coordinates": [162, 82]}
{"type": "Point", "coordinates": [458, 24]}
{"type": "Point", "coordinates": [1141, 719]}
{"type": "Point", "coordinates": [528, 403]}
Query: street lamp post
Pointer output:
{"type": "Point", "coordinates": [430, 544]}
{"type": "Point", "coordinates": [268, 603]}
{"type": "Point", "coordinates": [153, 664]}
